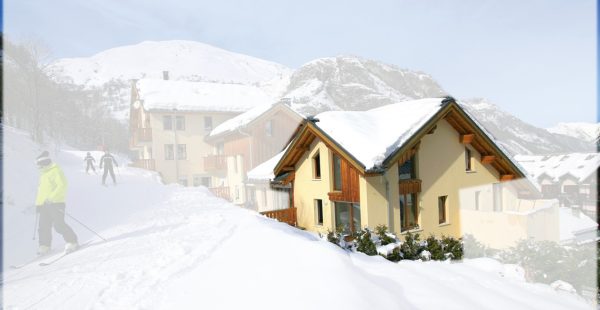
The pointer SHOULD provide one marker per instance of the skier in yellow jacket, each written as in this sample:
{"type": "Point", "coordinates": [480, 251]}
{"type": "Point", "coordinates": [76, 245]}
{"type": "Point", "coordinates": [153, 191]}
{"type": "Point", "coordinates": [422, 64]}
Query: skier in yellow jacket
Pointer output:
{"type": "Point", "coordinates": [50, 204]}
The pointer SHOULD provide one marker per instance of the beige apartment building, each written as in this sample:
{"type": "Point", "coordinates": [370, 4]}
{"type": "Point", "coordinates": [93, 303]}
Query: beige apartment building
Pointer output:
{"type": "Point", "coordinates": [169, 123]}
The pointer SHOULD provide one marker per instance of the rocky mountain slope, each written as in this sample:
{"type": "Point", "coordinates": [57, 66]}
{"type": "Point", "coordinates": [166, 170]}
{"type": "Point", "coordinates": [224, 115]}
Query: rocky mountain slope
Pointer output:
{"type": "Point", "coordinates": [333, 83]}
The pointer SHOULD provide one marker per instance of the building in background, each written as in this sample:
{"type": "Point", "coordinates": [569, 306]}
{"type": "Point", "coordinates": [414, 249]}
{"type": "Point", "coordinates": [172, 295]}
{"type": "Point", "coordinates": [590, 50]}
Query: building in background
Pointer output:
{"type": "Point", "coordinates": [169, 121]}
{"type": "Point", "coordinates": [247, 141]}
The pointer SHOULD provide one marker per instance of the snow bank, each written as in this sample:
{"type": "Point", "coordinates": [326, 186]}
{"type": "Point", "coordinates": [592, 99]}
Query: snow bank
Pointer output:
{"type": "Point", "coordinates": [199, 96]}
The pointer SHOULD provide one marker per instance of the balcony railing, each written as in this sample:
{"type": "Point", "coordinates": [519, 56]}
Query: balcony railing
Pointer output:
{"type": "Point", "coordinates": [284, 215]}
{"type": "Point", "coordinates": [144, 164]}
{"type": "Point", "coordinates": [221, 191]}
{"type": "Point", "coordinates": [215, 162]}
{"type": "Point", "coordinates": [409, 186]}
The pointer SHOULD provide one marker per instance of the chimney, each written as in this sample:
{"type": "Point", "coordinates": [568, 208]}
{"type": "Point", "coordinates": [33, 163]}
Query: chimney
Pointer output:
{"type": "Point", "coordinates": [165, 75]}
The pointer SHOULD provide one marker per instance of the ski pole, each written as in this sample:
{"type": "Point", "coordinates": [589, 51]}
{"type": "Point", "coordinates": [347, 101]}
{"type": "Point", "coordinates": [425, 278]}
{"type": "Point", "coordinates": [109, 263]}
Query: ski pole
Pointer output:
{"type": "Point", "coordinates": [76, 220]}
{"type": "Point", "coordinates": [35, 225]}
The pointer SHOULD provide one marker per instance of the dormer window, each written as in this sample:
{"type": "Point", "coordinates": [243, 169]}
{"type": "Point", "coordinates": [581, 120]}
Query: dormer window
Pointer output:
{"type": "Point", "coordinates": [468, 160]}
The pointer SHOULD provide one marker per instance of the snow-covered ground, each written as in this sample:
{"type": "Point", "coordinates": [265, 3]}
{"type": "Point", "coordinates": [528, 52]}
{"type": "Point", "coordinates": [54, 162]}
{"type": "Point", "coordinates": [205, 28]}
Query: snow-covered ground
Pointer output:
{"type": "Point", "coordinates": [171, 247]}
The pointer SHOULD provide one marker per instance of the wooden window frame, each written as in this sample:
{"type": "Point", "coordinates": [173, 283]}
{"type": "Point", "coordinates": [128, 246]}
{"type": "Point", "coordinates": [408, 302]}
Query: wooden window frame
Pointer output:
{"type": "Point", "coordinates": [469, 160]}
{"type": "Point", "coordinates": [208, 120]}
{"type": "Point", "coordinates": [403, 227]}
{"type": "Point", "coordinates": [443, 210]}
{"type": "Point", "coordinates": [316, 163]}
{"type": "Point", "coordinates": [319, 216]}
{"type": "Point", "coordinates": [335, 177]}
{"type": "Point", "coordinates": [167, 119]}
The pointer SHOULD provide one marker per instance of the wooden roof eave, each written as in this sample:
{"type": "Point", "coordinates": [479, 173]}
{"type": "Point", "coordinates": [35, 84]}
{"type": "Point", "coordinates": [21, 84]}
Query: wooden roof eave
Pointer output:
{"type": "Point", "coordinates": [310, 128]}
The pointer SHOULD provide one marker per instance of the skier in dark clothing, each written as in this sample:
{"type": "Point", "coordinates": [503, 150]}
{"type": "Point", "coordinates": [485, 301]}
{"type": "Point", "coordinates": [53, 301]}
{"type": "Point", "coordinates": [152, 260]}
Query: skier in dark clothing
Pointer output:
{"type": "Point", "coordinates": [107, 160]}
{"type": "Point", "coordinates": [50, 204]}
{"type": "Point", "coordinates": [89, 160]}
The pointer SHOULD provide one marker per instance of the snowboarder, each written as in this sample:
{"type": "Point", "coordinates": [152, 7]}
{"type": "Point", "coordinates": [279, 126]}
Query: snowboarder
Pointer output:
{"type": "Point", "coordinates": [89, 160]}
{"type": "Point", "coordinates": [50, 204]}
{"type": "Point", "coordinates": [107, 161]}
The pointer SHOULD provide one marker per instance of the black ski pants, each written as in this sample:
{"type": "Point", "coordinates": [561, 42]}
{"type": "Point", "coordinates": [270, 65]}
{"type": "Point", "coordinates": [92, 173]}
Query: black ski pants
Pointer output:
{"type": "Point", "coordinates": [90, 164]}
{"type": "Point", "coordinates": [107, 170]}
{"type": "Point", "coordinates": [53, 214]}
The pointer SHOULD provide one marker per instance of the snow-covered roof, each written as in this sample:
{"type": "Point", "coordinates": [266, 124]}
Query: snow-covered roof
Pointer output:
{"type": "Point", "coordinates": [571, 224]}
{"type": "Point", "coordinates": [247, 117]}
{"type": "Point", "coordinates": [160, 94]}
{"type": "Point", "coordinates": [264, 171]}
{"type": "Point", "coordinates": [579, 165]}
{"type": "Point", "coordinates": [370, 136]}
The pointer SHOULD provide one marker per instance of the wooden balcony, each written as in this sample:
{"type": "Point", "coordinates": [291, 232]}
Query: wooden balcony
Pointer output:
{"type": "Point", "coordinates": [221, 191]}
{"type": "Point", "coordinates": [215, 162]}
{"type": "Point", "coordinates": [147, 164]}
{"type": "Point", "coordinates": [409, 186]}
{"type": "Point", "coordinates": [284, 215]}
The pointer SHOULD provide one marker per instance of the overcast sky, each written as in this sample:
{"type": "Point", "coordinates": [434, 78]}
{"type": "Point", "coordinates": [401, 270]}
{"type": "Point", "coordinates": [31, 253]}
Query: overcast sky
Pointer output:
{"type": "Point", "coordinates": [534, 58]}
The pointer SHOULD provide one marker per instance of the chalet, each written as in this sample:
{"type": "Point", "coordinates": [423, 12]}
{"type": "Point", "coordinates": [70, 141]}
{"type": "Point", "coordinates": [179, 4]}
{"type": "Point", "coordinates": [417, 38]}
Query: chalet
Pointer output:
{"type": "Point", "coordinates": [401, 165]}
{"type": "Point", "coordinates": [169, 121]}
{"type": "Point", "coordinates": [248, 140]}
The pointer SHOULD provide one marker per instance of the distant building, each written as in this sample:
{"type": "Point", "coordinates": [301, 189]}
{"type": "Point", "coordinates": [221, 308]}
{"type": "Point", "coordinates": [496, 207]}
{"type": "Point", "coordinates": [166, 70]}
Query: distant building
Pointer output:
{"type": "Point", "coordinates": [169, 121]}
{"type": "Point", "coordinates": [248, 140]}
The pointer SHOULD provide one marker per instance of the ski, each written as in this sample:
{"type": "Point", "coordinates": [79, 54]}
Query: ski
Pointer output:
{"type": "Point", "coordinates": [47, 263]}
{"type": "Point", "coordinates": [37, 258]}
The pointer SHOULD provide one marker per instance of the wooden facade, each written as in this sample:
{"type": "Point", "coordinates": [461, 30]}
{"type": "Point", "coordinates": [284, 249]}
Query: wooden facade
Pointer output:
{"type": "Point", "coordinates": [350, 186]}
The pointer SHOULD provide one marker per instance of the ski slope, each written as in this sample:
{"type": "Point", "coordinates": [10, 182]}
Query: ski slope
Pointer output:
{"type": "Point", "coordinates": [171, 247]}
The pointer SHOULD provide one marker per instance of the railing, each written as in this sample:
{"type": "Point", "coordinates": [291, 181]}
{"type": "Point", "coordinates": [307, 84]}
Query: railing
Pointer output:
{"type": "Point", "coordinates": [409, 186]}
{"type": "Point", "coordinates": [221, 191]}
{"type": "Point", "coordinates": [284, 215]}
{"type": "Point", "coordinates": [144, 164]}
{"type": "Point", "coordinates": [215, 162]}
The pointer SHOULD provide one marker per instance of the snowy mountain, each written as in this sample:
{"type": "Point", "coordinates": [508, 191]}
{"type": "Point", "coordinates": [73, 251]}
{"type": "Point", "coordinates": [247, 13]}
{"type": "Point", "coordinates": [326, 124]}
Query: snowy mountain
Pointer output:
{"type": "Point", "coordinates": [185, 60]}
{"type": "Point", "coordinates": [583, 131]}
{"type": "Point", "coordinates": [172, 247]}
{"type": "Point", "coordinates": [112, 70]}
{"type": "Point", "coordinates": [519, 137]}
{"type": "Point", "coordinates": [354, 83]}
{"type": "Point", "coordinates": [334, 83]}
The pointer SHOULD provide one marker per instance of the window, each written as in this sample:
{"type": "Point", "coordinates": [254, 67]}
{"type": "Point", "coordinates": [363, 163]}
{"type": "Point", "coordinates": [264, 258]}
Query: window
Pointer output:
{"type": "Point", "coordinates": [442, 209]}
{"type": "Point", "coordinates": [337, 173]}
{"type": "Point", "coordinates": [269, 128]}
{"type": "Point", "coordinates": [181, 151]}
{"type": "Point", "coordinates": [319, 211]}
{"type": "Point", "coordinates": [347, 216]}
{"type": "Point", "coordinates": [317, 166]}
{"type": "Point", "coordinates": [208, 124]}
{"type": "Point", "coordinates": [205, 181]}
{"type": "Point", "coordinates": [169, 152]}
{"type": "Point", "coordinates": [477, 194]}
{"type": "Point", "coordinates": [237, 193]}
{"type": "Point", "coordinates": [468, 160]}
{"type": "Point", "coordinates": [407, 170]}
{"type": "Point", "coordinates": [183, 181]}
{"type": "Point", "coordinates": [167, 122]}
{"type": "Point", "coordinates": [220, 148]}
{"type": "Point", "coordinates": [409, 212]}
{"type": "Point", "coordinates": [150, 153]}
{"type": "Point", "coordinates": [497, 192]}
{"type": "Point", "coordinates": [196, 180]}
{"type": "Point", "coordinates": [180, 122]}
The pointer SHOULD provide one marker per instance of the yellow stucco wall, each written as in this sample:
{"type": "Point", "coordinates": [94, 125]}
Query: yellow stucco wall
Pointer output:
{"type": "Point", "coordinates": [440, 166]}
{"type": "Point", "coordinates": [193, 138]}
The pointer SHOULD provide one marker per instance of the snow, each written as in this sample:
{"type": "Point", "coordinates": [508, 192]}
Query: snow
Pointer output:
{"type": "Point", "coordinates": [241, 120]}
{"type": "Point", "coordinates": [370, 136]}
{"type": "Point", "coordinates": [574, 223]}
{"type": "Point", "coordinates": [264, 171]}
{"type": "Point", "coordinates": [580, 130]}
{"type": "Point", "coordinates": [160, 94]}
{"type": "Point", "coordinates": [187, 60]}
{"type": "Point", "coordinates": [171, 247]}
{"type": "Point", "coordinates": [578, 165]}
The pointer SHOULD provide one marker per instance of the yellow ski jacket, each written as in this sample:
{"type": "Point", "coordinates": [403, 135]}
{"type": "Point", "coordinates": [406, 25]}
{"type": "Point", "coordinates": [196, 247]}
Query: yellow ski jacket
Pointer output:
{"type": "Point", "coordinates": [52, 187]}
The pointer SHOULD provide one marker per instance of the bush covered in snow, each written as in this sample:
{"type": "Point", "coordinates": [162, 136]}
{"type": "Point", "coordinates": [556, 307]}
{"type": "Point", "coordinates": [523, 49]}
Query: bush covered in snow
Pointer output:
{"type": "Point", "coordinates": [365, 244]}
{"type": "Point", "coordinates": [547, 262]}
{"type": "Point", "coordinates": [384, 235]}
